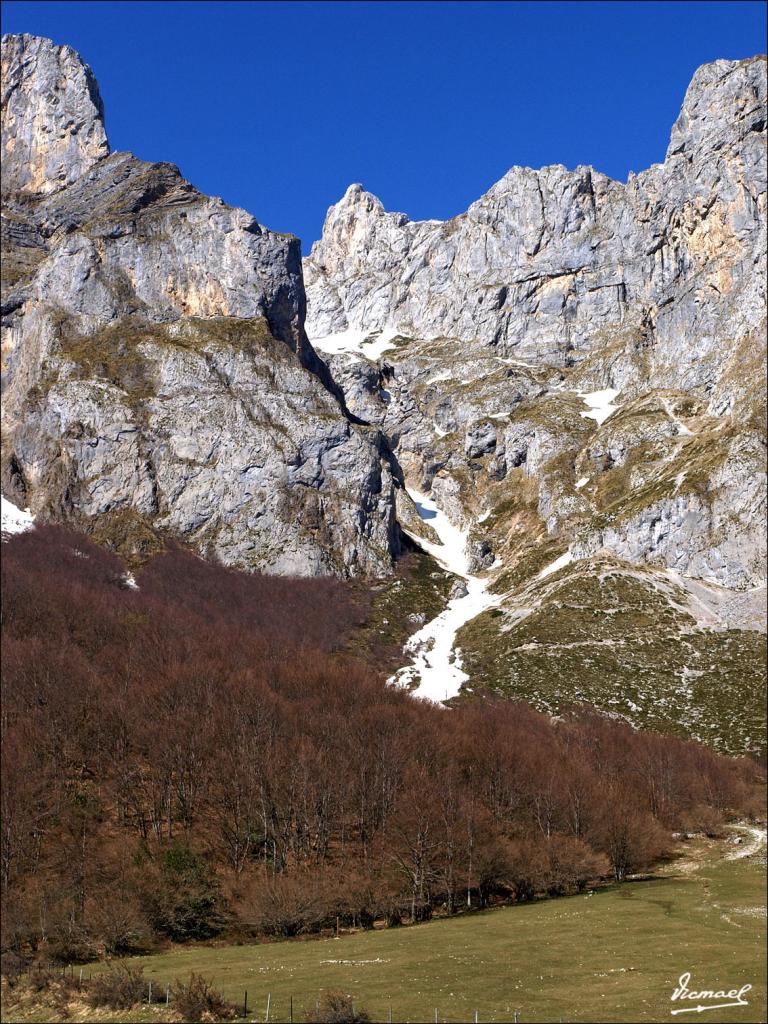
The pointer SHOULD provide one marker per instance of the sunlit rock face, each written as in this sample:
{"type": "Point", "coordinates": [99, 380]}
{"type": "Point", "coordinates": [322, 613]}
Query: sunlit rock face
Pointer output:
{"type": "Point", "coordinates": [559, 284]}
{"type": "Point", "coordinates": [549, 262]}
{"type": "Point", "coordinates": [157, 376]}
{"type": "Point", "coordinates": [53, 117]}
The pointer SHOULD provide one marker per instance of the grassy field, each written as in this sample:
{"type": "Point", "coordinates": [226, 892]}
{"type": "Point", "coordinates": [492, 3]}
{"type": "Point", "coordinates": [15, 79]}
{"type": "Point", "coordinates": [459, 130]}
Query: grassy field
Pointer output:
{"type": "Point", "coordinates": [613, 956]}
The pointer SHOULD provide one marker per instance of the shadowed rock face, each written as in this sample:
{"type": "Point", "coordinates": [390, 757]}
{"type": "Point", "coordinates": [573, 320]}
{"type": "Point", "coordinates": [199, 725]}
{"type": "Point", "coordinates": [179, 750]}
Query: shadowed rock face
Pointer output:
{"type": "Point", "coordinates": [557, 283]}
{"type": "Point", "coordinates": [157, 376]}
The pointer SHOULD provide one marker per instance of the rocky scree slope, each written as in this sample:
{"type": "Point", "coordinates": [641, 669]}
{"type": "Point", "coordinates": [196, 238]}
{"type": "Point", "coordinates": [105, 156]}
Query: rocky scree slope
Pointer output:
{"type": "Point", "coordinates": [157, 378]}
{"type": "Point", "coordinates": [574, 370]}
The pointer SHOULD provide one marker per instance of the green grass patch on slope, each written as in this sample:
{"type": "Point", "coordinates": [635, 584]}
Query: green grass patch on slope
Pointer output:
{"type": "Point", "coordinates": [611, 641]}
{"type": "Point", "coordinates": [116, 354]}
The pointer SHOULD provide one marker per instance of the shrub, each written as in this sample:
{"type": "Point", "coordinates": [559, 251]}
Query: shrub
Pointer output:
{"type": "Point", "coordinates": [68, 939]}
{"type": "Point", "coordinates": [631, 839]}
{"type": "Point", "coordinates": [570, 864]}
{"type": "Point", "coordinates": [41, 979]}
{"type": "Point", "coordinates": [184, 903]}
{"type": "Point", "coordinates": [12, 967]}
{"type": "Point", "coordinates": [120, 988]}
{"type": "Point", "coordinates": [118, 923]}
{"type": "Point", "coordinates": [199, 1001]}
{"type": "Point", "coordinates": [337, 1008]}
{"type": "Point", "coordinates": [527, 868]}
{"type": "Point", "coordinates": [59, 988]}
{"type": "Point", "coordinates": [702, 818]}
{"type": "Point", "coordinates": [288, 906]}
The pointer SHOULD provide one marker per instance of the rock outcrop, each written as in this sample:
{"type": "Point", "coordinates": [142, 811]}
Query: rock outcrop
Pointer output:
{"type": "Point", "coordinates": [53, 117]}
{"type": "Point", "coordinates": [157, 376]}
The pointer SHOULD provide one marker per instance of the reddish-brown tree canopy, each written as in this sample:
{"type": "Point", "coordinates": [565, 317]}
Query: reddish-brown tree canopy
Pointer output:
{"type": "Point", "coordinates": [199, 755]}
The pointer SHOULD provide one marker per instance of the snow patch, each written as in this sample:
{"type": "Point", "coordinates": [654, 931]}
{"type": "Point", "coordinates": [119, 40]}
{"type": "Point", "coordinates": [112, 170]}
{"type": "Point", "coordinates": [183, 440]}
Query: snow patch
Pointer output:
{"type": "Point", "coordinates": [559, 563]}
{"type": "Point", "coordinates": [584, 480]}
{"type": "Point", "coordinates": [15, 520]}
{"type": "Point", "coordinates": [451, 553]}
{"type": "Point", "coordinates": [600, 404]}
{"type": "Point", "coordinates": [364, 343]}
{"type": "Point", "coordinates": [513, 362]}
{"type": "Point", "coordinates": [435, 661]}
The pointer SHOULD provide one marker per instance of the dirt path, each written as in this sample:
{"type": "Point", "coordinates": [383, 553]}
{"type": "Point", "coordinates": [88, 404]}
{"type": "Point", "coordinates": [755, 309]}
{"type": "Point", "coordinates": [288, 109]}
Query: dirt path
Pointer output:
{"type": "Point", "coordinates": [753, 845]}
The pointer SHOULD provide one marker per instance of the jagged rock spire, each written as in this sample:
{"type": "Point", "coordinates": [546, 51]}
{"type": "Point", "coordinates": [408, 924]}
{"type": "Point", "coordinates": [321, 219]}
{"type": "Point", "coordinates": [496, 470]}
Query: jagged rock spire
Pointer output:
{"type": "Point", "coordinates": [53, 117]}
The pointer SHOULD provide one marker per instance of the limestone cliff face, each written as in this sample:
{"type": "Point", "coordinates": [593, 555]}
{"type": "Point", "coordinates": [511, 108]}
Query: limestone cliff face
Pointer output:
{"type": "Point", "coordinates": [561, 283]}
{"type": "Point", "coordinates": [53, 118]}
{"type": "Point", "coordinates": [157, 376]}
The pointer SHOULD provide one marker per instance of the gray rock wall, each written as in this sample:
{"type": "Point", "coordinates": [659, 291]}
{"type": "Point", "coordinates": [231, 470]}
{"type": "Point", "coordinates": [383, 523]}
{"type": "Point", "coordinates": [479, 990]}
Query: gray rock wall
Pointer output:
{"type": "Point", "coordinates": [552, 264]}
{"type": "Point", "coordinates": [53, 117]}
{"type": "Point", "coordinates": [559, 282]}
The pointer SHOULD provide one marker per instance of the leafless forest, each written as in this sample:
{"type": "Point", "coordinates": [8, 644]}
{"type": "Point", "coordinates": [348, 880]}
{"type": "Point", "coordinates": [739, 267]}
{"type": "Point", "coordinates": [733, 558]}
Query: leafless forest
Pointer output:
{"type": "Point", "coordinates": [198, 757]}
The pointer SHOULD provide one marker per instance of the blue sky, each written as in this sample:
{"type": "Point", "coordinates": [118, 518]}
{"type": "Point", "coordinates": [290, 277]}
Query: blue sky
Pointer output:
{"type": "Point", "coordinates": [277, 107]}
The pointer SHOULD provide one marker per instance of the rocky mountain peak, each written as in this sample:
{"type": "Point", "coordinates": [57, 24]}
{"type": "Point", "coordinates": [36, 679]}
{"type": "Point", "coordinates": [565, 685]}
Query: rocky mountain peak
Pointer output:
{"type": "Point", "coordinates": [356, 219]}
{"type": "Point", "coordinates": [547, 257]}
{"type": "Point", "coordinates": [53, 117]}
{"type": "Point", "coordinates": [725, 101]}
{"type": "Point", "coordinates": [157, 378]}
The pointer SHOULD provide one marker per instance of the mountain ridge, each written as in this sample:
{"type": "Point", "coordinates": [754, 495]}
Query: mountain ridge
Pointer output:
{"type": "Point", "coordinates": [597, 284]}
{"type": "Point", "coordinates": [568, 371]}
{"type": "Point", "coordinates": [571, 370]}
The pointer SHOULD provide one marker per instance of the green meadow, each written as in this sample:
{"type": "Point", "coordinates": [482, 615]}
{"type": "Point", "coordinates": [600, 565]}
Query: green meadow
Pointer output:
{"type": "Point", "coordinates": [615, 955]}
